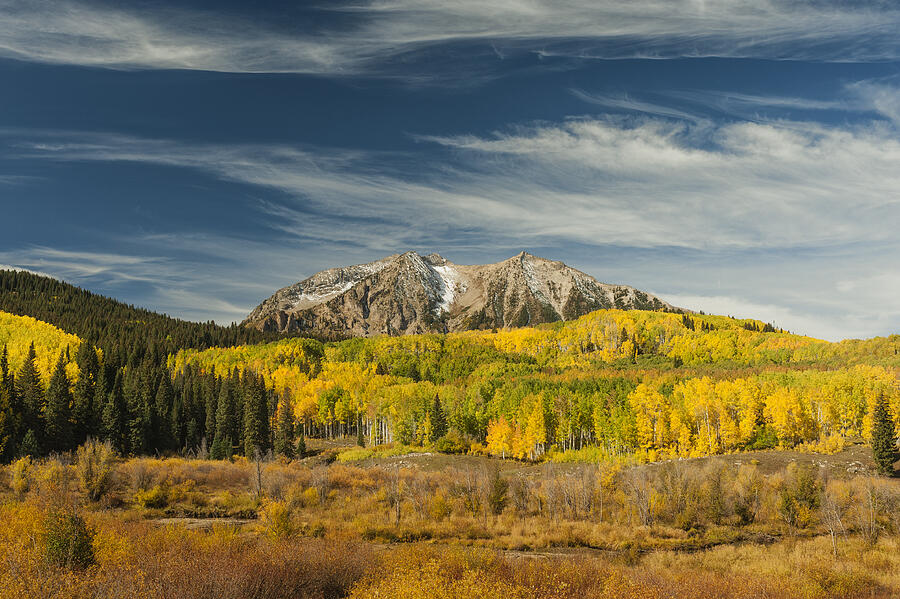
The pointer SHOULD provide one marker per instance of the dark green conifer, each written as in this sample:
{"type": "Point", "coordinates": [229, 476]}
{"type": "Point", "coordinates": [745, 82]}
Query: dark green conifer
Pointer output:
{"type": "Point", "coordinates": [438, 420]}
{"type": "Point", "coordinates": [30, 446]}
{"type": "Point", "coordinates": [162, 438]}
{"type": "Point", "coordinates": [256, 412]}
{"type": "Point", "coordinates": [58, 418]}
{"type": "Point", "coordinates": [301, 442]}
{"type": "Point", "coordinates": [285, 432]}
{"type": "Point", "coordinates": [84, 414]}
{"type": "Point", "coordinates": [115, 416]}
{"type": "Point", "coordinates": [33, 401]}
{"type": "Point", "coordinates": [7, 424]}
{"type": "Point", "coordinates": [884, 439]}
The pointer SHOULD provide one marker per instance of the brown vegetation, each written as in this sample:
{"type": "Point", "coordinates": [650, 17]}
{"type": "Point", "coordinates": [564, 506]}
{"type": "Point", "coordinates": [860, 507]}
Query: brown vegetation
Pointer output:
{"type": "Point", "coordinates": [698, 528]}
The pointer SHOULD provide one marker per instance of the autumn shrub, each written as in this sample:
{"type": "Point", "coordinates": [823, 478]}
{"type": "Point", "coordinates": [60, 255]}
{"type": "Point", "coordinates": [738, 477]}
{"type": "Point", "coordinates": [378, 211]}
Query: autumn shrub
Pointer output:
{"type": "Point", "coordinates": [799, 496]}
{"type": "Point", "coordinates": [68, 541]}
{"type": "Point", "coordinates": [277, 521]}
{"type": "Point", "coordinates": [355, 455]}
{"type": "Point", "coordinates": [453, 443]}
{"type": "Point", "coordinates": [439, 507]}
{"type": "Point", "coordinates": [55, 485]}
{"type": "Point", "coordinates": [497, 493]}
{"type": "Point", "coordinates": [155, 497]}
{"type": "Point", "coordinates": [94, 464]}
{"type": "Point", "coordinates": [20, 476]}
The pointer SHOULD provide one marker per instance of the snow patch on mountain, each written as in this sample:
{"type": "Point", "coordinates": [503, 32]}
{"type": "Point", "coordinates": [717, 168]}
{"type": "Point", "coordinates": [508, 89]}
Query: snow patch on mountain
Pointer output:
{"type": "Point", "coordinates": [450, 286]}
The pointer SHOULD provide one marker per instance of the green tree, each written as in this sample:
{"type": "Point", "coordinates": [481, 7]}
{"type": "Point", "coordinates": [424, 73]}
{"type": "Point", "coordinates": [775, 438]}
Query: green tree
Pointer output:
{"type": "Point", "coordinates": [285, 433]}
{"type": "Point", "coordinates": [58, 418]}
{"type": "Point", "coordinates": [162, 437]}
{"type": "Point", "coordinates": [226, 429]}
{"type": "Point", "coordinates": [256, 415]}
{"type": "Point", "coordinates": [115, 416]}
{"type": "Point", "coordinates": [7, 425]}
{"type": "Point", "coordinates": [30, 393]}
{"type": "Point", "coordinates": [301, 442]}
{"type": "Point", "coordinates": [84, 413]}
{"type": "Point", "coordinates": [8, 412]}
{"type": "Point", "coordinates": [438, 420]}
{"type": "Point", "coordinates": [884, 439]}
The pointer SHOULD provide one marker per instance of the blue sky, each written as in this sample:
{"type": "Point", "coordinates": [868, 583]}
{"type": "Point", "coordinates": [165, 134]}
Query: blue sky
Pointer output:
{"type": "Point", "coordinates": [736, 157]}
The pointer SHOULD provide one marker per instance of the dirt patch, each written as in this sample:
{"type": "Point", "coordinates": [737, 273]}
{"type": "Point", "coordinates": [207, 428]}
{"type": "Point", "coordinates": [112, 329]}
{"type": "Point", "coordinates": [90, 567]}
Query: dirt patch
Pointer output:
{"type": "Point", "coordinates": [202, 523]}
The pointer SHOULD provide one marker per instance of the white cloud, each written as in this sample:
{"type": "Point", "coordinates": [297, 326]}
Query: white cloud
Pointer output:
{"type": "Point", "coordinates": [781, 316]}
{"type": "Point", "coordinates": [640, 183]}
{"type": "Point", "coordinates": [373, 35]}
{"type": "Point", "coordinates": [822, 200]}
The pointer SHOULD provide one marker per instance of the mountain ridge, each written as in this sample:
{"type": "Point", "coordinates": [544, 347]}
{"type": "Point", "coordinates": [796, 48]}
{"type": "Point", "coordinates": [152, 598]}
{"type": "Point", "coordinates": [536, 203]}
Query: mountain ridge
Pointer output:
{"type": "Point", "coordinates": [408, 293]}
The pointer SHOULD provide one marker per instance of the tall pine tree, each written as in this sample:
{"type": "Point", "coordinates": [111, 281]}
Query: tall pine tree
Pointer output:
{"type": "Point", "coordinates": [162, 437]}
{"type": "Point", "coordinates": [226, 426]}
{"type": "Point", "coordinates": [7, 422]}
{"type": "Point", "coordinates": [30, 392]}
{"type": "Point", "coordinates": [59, 410]}
{"type": "Point", "coordinates": [884, 439]}
{"type": "Point", "coordinates": [285, 433]}
{"type": "Point", "coordinates": [115, 415]}
{"type": "Point", "coordinates": [256, 415]}
{"type": "Point", "coordinates": [438, 420]}
{"type": "Point", "coordinates": [84, 413]}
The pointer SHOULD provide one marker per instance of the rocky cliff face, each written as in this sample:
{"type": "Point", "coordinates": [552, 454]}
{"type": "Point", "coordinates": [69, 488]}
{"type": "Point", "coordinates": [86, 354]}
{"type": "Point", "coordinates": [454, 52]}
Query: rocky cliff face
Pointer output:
{"type": "Point", "coordinates": [408, 293]}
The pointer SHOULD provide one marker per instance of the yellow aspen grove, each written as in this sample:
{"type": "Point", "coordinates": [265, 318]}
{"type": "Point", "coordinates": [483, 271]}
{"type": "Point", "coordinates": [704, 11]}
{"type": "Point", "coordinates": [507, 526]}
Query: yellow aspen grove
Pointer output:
{"type": "Point", "coordinates": [651, 416]}
{"type": "Point", "coordinates": [500, 437]}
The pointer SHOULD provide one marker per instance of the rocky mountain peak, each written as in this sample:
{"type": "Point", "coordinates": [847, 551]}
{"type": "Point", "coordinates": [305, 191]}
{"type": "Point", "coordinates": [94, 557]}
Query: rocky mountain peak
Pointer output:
{"type": "Point", "coordinates": [409, 293]}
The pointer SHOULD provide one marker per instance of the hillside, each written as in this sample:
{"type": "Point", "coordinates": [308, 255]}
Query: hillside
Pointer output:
{"type": "Point", "coordinates": [623, 382]}
{"type": "Point", "coordinates": [17, 333]}
{"type": "Point", "coordinates": [408, 294]}
{"type": "Point", "coordinates": [107, 322]}
{"type": "Point", "coordinates": [636, 383]}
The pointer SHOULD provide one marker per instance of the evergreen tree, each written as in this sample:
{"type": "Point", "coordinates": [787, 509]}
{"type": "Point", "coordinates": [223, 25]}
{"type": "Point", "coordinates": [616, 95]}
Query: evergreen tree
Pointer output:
{"type": "Point", "coordinates": [7, 423]}
{"type": "Point", "coordinates": [211, 405]}
{"type": "Point", "coordinates": [884, 439]}
{"type": "Point", "coordinates": [30, 446]}
{"type": "Point", "coordinates": [8, 415]}
{"type": "Point", "coordinates": [438, 420]}
{"type": "Point", "coordinates": [221, 448]}
{"type": "Point", "coordinates": [84, 414]}
{"type": "Point", "coordinates": [32, 399]}
{"type": "Point", "coordinates": [226, 425]}
{"type": "Point", "coordinates": [301, 443]}
{"type": "Point", "coordinates": [256, 413]}
{"type": "Point", "coordinates": [60, 436]}
{"type": "Point", "coordinates": [285, 433]}
{"type": "Point", "coordinates": [138, 410]}
{"type": "Point", "coordinates": [176, 422]}
{"type": "Point", "coordinates": [115, 416]}
{"type": "Point", "coordinates": [162, 437]}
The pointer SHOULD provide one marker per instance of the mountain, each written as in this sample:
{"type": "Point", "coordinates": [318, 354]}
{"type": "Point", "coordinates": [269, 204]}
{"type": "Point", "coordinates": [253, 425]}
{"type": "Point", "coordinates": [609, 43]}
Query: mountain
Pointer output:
{"type": "Point", "coordinates": [408, 293]}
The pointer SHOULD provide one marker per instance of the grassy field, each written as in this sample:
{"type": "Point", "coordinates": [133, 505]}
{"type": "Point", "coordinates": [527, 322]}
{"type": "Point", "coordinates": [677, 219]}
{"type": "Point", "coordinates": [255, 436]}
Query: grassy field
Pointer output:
{"type": "Point", "coordinates": [762, 524]}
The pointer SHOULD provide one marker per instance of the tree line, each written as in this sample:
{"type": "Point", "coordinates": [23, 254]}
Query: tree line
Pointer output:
{"type": "Point", "coordinates": [140, 410]}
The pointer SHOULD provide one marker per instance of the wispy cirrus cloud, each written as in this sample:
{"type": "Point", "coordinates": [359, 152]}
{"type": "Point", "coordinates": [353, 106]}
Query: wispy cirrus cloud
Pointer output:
{"type": "Point", "coordinates": [640, 182]}
{"type": "Point", "coordinates": [802, 214]}
{"type": "Point", "coordinates": [384, 37]}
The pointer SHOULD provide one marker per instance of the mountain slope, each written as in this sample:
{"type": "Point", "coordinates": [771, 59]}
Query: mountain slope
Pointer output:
{"type": "Point", "coordinates": [107, 322]}
{"type": "Point", "coordinates": [408, 293]}
{"type": "Point", "coordinates": [17, 333]}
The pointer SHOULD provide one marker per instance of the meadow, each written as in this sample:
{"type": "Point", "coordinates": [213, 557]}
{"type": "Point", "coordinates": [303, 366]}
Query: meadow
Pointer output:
{"type": "Point", "coordinates": [420, 524]}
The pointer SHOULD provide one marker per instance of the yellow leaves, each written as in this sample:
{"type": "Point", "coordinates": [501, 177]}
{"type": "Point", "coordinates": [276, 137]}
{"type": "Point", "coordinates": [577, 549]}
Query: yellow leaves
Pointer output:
{"type": "Point", "coordinates": [651, 412]}
{"type": "Point", "coordinates": [790, 416]}
{"type": "Point", "coordinates": [499, 437]}
{"type": "Point", "coordinates": [18, 332]}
